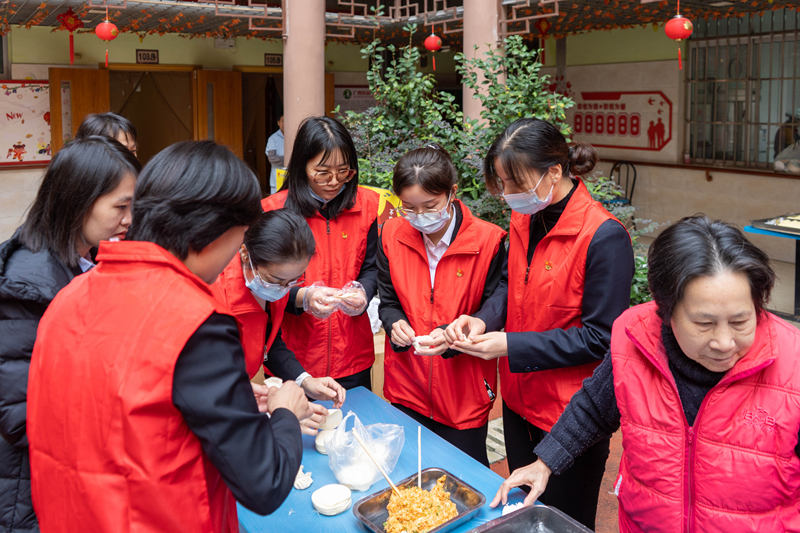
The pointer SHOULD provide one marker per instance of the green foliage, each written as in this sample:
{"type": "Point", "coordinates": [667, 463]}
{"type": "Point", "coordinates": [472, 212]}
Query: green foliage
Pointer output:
{"type": "Point", "coordinates": [411, 113]}
{"type": "Point", "coordinates": [509, 86]}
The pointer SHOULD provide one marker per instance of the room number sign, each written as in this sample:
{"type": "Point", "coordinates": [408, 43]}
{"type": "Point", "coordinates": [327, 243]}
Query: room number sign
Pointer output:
{"type": "Point", "coordinates": [147, 57]}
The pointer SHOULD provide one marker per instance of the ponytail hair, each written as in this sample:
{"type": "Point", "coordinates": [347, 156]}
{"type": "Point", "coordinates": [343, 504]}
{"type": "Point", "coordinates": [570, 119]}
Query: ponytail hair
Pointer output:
{"type": "Point", "coordinates": [532, 144]}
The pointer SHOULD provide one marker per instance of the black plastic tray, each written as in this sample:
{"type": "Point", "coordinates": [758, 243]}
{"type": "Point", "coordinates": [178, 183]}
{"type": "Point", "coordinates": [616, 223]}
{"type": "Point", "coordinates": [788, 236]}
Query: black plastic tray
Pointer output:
{"type": "Point", "coordinates": [372, 509]}
{"type": "Point", "coordinates": [762, 224]}
{"type": "Point", "coordinates": [537, 519]}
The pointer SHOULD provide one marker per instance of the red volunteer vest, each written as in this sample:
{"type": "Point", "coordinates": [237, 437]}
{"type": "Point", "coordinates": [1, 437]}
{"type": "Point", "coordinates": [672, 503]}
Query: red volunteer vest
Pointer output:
{"type": "Point", "coordinates": [231, 291]}
{"type": "Point", "coordinates": [109, 451]}
{"type": "Point", "coordinates": [549, 295]}
{"type": "Point", "coordinates": [450, 391]}
{"type": "Point", "coordinates": [736, 469]}
{"type": "Point", "coordinates": [340, 345]}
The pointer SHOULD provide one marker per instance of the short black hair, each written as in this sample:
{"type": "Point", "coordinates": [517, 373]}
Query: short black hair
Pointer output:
{"type": "Point", "coordinates": [319, 135]}
{"type": "Point", "coordinates": [695, 246]}
{"type": "Point", "coordinates": [534, 144]}
{"type": "Point", "coordinates": [279, 236]}
{"type": "Point", "coordinates": [107, 124]}
{"type": "Point", "coordinates": [191, 193]}
{"type": "Point", "coordinates": [76, 177]}
{"type": "Point", "coordinates": [430, 167]}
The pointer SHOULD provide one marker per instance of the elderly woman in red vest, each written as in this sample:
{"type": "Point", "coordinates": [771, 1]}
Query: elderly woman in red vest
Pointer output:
{"type": "Point", "coordinates": [435, 263]}
{"type": "Point", "coordinates": [325, 325]}
{"type": "Point", "coordinates": [570, 265]}
{"type": "Point", "coordinates": [255, 287]}
{"type": "Point", "coordinates": [705, 385]}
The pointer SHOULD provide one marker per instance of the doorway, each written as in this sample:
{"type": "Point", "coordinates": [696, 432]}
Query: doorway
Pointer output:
{"type": "Point", "coordinates": [159, 103]}
{"type": "Point", "coordinates": [262, 106]}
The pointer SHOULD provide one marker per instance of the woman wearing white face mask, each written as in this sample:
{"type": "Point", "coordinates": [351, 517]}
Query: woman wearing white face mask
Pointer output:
{"type": "Point", "coordinates": [570, 265]}
{"type": "Point", "coordinates": [435, 263]}
{"type": "Point", "coordinates": [255, 286]}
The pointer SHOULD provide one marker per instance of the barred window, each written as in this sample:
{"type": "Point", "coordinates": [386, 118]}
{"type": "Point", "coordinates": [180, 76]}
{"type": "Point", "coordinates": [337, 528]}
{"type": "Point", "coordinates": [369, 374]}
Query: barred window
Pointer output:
{"type": "Point", "coordinates": [743, 89]}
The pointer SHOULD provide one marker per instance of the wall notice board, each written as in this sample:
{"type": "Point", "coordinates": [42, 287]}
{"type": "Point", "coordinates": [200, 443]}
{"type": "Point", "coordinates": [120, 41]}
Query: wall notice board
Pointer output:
{"type": "Point", "coordinates": [24, 122]}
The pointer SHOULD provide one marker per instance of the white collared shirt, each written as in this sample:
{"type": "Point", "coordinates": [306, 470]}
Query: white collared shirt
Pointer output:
{"type": "Point", "coordinates": [299, 379]}
{"type": "Point", "coordinates": [436, 252]}
{"type": "Point", "coordinates": [85, 264]}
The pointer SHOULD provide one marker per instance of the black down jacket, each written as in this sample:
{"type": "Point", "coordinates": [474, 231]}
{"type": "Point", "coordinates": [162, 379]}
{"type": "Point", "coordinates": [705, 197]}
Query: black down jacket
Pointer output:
{"type": "Point", "coordinates": [28, 283]}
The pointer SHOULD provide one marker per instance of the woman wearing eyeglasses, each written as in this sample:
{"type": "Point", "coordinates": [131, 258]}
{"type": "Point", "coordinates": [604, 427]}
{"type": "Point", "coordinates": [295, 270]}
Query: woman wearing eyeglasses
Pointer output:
{"type": "Point", "coordinates": [255, 287]}
{"type": "Point", "coordinates": [325, 322]}
{"type": "Point", "coordinates": [435, 263]}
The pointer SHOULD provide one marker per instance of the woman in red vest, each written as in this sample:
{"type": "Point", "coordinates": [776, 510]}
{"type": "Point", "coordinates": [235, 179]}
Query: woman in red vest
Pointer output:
{"type": "Point", "coordinates": [255, 286]}
{"type": "Point", "coordinates": [84, 198]}
{"type": "Point", "coordinates": [570, 266]}
{"type": "Point", "coordinates": [141, 416]}
{"type": "Point", "coordinates": [705, 385]}
{"type": "Point", "coordinates": [325, 322]}
{"type": "Point", "coordinates": [435, 263]}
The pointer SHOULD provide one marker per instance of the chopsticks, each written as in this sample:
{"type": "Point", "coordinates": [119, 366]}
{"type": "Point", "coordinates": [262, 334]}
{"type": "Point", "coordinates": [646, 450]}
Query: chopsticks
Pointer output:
{"type": "Point", "coordinates": [376, 463]}
{"type": "Point", "coordinates": [419, 456]}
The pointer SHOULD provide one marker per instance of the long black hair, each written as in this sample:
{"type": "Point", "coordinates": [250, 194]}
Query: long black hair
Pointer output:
{"type": "Point", "coordinates": [695, 246]}
{"type": "Point", "coordinates": [76, 177]}
{"type": "Point", "coordinates": [280, 236]}
{"type": "Point", "coordinates": [327, 136]}
{"type": "Point", "coordinates": [190, 194]}
{"type": "Point", "coordinates": [107, 124]}
{"type": "Point", "coordinates": [429, 167]}
{"type": "Point", "coordinates": [532, 144]}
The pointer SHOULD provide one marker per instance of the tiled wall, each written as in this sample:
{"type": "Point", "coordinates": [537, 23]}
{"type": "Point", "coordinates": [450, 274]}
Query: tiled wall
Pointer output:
{"type": "Point", "coordinates": [667, 194]}
{"type": "Point", "coordinates": [17, 192]}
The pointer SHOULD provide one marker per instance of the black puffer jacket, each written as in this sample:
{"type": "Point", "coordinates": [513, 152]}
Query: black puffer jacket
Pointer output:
{"type": "Point", "coordinates": [28, 283]}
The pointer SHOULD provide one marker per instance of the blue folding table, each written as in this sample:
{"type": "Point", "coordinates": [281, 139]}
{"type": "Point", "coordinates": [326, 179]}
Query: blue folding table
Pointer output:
{"type": "Point", "coordinates": [796, 237]}
{"type": "Point", "coordinates": [298, 514]}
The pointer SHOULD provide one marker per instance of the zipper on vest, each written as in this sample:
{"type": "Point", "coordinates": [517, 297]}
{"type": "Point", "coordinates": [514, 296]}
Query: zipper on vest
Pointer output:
{"type": "Point", "coordinates": [431, 299]}
{"type": "Point", "coordinates": [330, 277]}
{"type": "Point", "coordinates": [527, 271]}
{"type": "Point", "coordinates": [689, 489]}
{"type": "Point", "coordinates": [430, 362]}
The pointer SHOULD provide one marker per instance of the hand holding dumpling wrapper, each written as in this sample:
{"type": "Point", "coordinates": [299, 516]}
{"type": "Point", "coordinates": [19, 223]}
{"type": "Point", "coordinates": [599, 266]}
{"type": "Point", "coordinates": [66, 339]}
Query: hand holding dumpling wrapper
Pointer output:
{"type": "Point", "coordinates": [350, 463]}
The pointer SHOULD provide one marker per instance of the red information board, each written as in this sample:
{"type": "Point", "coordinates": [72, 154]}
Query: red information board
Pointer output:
{"type": "Point", "coordinates": [640, 120]}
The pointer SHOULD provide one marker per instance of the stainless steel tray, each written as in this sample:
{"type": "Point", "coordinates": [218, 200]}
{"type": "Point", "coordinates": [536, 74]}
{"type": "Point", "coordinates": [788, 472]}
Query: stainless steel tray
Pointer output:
{"type": "Point", "coordinates": [538, 519]}
{"type": "Point", "coordinates": [762, 224]}
{"type": "Point", "coordinates": [372, 509]}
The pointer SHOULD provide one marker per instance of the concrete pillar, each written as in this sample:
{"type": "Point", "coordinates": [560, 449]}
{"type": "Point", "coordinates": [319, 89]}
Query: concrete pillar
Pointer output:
{"type": "Point", "coordinates": [304, 65]}
{"type": "Point", "coordinates": [481, 23]}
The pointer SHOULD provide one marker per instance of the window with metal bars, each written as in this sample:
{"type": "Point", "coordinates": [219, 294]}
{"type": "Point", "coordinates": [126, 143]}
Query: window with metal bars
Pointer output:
{"type": "Point", "coordinates": [743, 89]}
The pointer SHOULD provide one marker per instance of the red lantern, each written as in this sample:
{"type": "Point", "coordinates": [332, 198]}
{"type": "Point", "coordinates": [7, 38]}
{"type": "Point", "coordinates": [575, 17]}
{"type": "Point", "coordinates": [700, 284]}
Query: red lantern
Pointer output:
{"type": "Point", "coordinates": [679, 28]}
{"type": "Point", "coordinates": [432, 44]}
{"type": "Point", "coordinates": [70, 22]}
{"type": "Point", "coordinates": [108, 32]}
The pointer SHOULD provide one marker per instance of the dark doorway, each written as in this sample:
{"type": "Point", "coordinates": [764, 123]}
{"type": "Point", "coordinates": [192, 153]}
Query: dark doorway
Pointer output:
{"type": "Point", "coordinates": [262, 106]}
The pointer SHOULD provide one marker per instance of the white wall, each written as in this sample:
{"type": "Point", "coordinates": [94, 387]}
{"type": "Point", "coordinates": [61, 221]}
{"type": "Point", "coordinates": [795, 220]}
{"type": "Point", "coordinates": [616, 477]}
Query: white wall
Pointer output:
{"type": "Point", "coordinates": [667, 194]}
{"type": "Point", "coordinates": [17, 192]}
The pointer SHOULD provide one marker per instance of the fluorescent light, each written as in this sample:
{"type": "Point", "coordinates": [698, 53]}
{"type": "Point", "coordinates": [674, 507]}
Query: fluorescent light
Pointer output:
{"type": "Point", "coordinates": [721, 4]}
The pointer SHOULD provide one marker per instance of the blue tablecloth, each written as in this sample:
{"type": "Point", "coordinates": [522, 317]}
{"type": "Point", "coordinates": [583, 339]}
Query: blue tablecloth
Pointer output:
{"type": "Point", "coordinates": [298, 514]}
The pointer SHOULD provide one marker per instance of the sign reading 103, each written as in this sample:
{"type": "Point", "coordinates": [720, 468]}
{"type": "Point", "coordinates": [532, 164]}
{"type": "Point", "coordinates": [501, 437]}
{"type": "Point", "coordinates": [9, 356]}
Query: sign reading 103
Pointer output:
{"type": "Point", "coordinates": [149, 57]}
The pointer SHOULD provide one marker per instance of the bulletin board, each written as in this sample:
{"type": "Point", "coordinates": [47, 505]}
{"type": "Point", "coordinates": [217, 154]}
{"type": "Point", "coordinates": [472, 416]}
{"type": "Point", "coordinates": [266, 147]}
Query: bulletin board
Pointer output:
{"type": "Point", "coordinates": [24, 123]}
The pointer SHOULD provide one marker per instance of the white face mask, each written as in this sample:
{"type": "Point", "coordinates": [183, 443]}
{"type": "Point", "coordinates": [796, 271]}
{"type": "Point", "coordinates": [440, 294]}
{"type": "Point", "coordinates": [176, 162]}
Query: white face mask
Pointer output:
{"type": "Point", "coordinates": [528, 203]}
{"type": "Point", "coordinates": [438, 220]}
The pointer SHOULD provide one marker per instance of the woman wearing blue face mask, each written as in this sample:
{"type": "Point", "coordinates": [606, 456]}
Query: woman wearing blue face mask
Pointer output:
{"type": "Point", "coordinates": [436, 262]}
{"type": "Point", "coordinates": [255, 287]}
{"type": "Point", "coordinates": [569, 271]}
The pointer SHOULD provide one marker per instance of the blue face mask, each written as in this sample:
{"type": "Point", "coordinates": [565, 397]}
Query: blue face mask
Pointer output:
{"type": "Point", "coordinates": [270, 292]}
{"type": "Point", "coordinates": [319, 198]}
{"type": "Point", "coordinates": [528, 203]}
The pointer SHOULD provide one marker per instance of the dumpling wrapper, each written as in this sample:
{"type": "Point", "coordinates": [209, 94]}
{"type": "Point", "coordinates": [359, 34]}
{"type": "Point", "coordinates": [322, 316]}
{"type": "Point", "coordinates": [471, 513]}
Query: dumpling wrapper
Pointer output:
{"type": "Point", "coordinates": [416, 341]}
{"type": "Point", "coordinates": [331, 499]}
{"type": "Point", "coordinates": [333, 419]}
{"type": "Point", "coordinates": [273, 382]}
{"type": "Point", "coordinates": [319, 441]}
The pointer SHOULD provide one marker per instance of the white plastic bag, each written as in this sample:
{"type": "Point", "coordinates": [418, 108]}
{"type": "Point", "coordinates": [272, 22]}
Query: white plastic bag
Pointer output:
{"type": "Point", "coordinates": [789, 159]}
{"type": "Point", "coordinates": [349, 462]}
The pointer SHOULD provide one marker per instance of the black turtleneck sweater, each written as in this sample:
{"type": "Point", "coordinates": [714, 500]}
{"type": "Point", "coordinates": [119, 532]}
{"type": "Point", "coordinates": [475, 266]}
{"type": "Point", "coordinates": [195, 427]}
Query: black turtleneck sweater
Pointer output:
{"type": "Point", "coordinates": [593, 414]}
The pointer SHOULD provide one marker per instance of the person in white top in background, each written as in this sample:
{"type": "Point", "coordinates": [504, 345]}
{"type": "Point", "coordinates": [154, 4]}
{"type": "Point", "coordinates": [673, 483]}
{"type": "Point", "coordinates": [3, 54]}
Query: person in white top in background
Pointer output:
{"type": "Point", "coordinates": [275, 156]}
